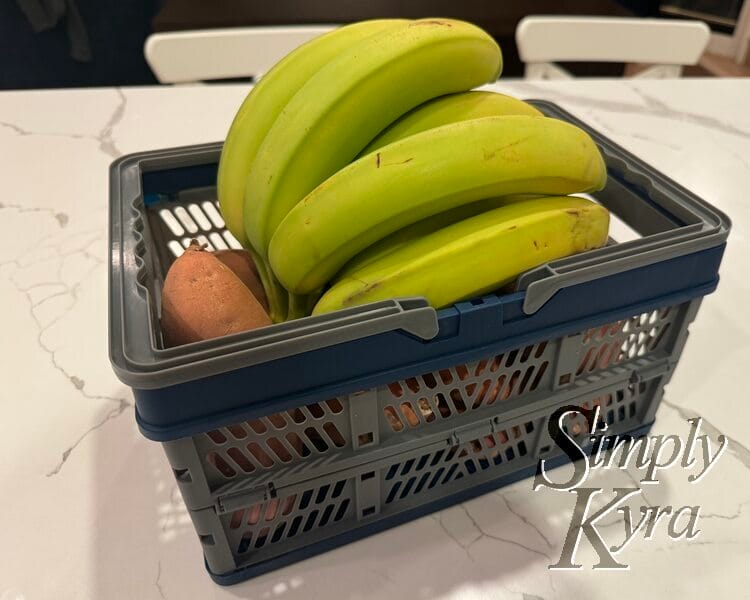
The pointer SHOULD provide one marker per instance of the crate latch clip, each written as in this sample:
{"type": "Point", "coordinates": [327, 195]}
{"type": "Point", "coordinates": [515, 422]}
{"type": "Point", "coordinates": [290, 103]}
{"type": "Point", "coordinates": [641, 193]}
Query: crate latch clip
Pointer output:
{"type": "Point", "coordinates": [244, 498]}
{"type": "Point", "coordinates": [471, 433]}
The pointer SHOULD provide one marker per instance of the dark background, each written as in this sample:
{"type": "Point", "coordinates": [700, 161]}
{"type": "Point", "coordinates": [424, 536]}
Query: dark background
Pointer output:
{"type": "Point", "coordinates": [117, 29]}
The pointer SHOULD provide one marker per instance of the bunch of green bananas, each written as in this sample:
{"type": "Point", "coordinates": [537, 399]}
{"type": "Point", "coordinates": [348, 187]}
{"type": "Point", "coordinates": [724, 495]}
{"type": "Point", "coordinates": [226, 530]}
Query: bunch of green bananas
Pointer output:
{"type": "Point", "coordinates": [361, 167]}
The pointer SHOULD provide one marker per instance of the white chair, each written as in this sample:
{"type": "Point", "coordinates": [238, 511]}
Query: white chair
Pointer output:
{"type": "Point", "coordinates": [665, 44]}
{"type": "Point", "coordinates": [193, 56]}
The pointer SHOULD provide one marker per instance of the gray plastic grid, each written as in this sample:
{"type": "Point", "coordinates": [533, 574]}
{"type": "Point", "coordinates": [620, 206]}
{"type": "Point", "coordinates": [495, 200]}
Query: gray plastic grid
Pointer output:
{"type": "Point", "coordinates": [311, 511]}
{"type": "Point", "coordinates": [338, 430]}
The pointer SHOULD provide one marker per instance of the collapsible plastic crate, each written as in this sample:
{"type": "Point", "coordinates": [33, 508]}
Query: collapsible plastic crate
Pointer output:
{"type": "Point", "coordinates": [293, 439]}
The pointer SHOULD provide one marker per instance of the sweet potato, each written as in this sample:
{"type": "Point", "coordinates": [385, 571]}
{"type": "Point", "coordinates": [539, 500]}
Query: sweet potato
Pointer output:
{"type": "Point", "coordinates": [202, 298]}
{"type": "Point", "coordinates": [243, 266]}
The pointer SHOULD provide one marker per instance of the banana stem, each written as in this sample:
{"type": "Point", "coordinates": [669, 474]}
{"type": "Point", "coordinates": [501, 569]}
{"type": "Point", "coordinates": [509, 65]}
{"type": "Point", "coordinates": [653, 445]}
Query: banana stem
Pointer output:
{"type": "Point", "coordinates": [280, 295]}
{"type": "Point", "coordinates": [312, 300]}
{"type": "Point", "coordinates": [275, 293]}
{"type": "Point", "coordinates": [301, 306]}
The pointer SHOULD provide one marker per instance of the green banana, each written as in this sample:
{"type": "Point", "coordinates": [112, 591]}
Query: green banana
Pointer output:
{"type": "Point", "coordinates": [254, 119]}
{"type": "Point", "coordinates": [423, 175]}
{"type": "Point", "coordinates": [451, 109]}
{"type": "Point", "coordinates": [263, 104]}
{"type": "Point", "coordinates": [444, 110]}
{"type": "Point", "coordinates": [477, 255]}
{"type": "Point", "coordinates": [419, 229]}
{"type": "Point", "coordinates": [350, 100]}
{"type": "Point", "coordinates": [400, 238]}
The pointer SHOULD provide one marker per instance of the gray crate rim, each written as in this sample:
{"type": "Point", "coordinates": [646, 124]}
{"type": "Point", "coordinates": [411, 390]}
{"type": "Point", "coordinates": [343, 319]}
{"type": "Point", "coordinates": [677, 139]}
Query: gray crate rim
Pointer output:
{"type": "Point", "coordinates": [140, 363]}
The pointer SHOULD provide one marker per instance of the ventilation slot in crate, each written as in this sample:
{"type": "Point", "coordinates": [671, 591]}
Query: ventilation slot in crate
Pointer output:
{"type": "Point", "coordinates": [443, 394]}
{"type": "Point", "coordinates": [278, 519]}
{"type": "Point", "coordinates": [615, 409]}
{"type": "Point", "coordinates": [610, 344]}
{"type": "Point", "coordinates": [446, 465]}
{"type": "Point", "coordinates": [199, 220]}
{"type": "Point", "coordinates": [277, 439]}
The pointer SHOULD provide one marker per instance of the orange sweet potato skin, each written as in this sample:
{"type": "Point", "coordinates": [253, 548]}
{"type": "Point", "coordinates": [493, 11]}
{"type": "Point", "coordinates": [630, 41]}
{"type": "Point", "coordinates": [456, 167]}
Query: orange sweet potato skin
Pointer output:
{"type": "Point", "coordinates": [202, 298]}
{"type": "Point", "coordinates": [243, 266]}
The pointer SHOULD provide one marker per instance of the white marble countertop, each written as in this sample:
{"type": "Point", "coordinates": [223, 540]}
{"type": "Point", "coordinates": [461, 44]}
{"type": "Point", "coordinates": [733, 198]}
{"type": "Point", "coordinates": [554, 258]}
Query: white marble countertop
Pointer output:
{"type": "Point", "coordinates": [89, 507]}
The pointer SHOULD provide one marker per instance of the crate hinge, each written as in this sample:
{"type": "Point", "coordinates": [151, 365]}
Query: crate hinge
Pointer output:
{"type": "Point", "coordinates": [471, 432]}
{"type": "Point", "coordinates": [646, 373]}
{"type": "Point", "coordinates": [232, 501]}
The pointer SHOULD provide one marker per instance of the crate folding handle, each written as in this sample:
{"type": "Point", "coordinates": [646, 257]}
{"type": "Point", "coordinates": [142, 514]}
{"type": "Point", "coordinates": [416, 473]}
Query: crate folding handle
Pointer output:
{"type": "Point", "coordinates": [543, 282]}
{"type": "Point", "coordinates": [706, 227]}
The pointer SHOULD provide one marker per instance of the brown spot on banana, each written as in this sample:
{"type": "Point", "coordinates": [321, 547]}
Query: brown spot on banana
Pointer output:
{"type": "Point", "coordinates": [395, 164]}
{"type": "Point", "coordinates": [368, 287]}
{"type": "Point", "coordinates": [430, 22]}
{"type": "Point", "coordinates": [509, 156]}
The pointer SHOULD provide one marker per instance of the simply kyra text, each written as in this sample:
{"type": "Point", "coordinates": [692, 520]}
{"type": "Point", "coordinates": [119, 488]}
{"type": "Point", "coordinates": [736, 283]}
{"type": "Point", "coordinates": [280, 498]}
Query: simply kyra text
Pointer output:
{"type": "Point", "coordinates": [650, 454]}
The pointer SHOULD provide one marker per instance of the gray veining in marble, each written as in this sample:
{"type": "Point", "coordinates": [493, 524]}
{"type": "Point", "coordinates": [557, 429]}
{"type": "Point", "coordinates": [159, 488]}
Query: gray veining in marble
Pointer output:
{"type": "Point", "coordinates": [104, 498]}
